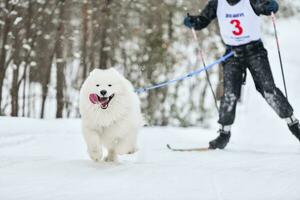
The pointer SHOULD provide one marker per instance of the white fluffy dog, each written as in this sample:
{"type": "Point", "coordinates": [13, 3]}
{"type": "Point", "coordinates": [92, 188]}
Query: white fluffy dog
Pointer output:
{"type": "Point", "coordinates": [111, 115]}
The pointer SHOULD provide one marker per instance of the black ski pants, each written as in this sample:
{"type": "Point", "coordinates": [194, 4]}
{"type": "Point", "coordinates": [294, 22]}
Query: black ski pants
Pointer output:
{"type": "Point", "coordinates": [254, 57]}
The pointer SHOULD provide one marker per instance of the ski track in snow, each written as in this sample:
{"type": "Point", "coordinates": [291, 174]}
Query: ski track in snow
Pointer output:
{"type": "Point", "coordinates": [46, 160]}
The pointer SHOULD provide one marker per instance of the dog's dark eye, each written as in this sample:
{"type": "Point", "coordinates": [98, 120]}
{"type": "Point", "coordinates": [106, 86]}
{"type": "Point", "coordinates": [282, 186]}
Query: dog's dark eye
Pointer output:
{"type": "Point", "coordinates": [109, 85]}
{"type": "Point", "coordinates": [97, 85]}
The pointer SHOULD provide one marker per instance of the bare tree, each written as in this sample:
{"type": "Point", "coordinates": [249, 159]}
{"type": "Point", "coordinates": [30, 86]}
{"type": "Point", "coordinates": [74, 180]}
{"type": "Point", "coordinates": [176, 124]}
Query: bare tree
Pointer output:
{"type": "Point", "coordinates": [4, 42]}
{"type": "Point", "coordinates": [60, 62]}
{"type": "Point", "coordinates": [105, 13]}
{"type": "Point", "coordinates": [84, 39]}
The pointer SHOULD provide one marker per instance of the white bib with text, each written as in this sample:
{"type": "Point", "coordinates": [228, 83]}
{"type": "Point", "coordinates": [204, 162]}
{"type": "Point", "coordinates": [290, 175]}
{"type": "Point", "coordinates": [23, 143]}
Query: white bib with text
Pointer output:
{"type": "Point", "coordinates": [238, 24]}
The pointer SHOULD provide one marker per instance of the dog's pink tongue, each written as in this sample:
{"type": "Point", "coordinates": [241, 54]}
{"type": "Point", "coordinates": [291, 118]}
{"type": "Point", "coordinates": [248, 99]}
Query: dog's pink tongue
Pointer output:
{"type": "Point", "coordinates": [93, 98]}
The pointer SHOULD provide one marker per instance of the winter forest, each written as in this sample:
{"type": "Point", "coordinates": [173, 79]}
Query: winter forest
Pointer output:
{"type": "Point", "coordinates": [48, 48]}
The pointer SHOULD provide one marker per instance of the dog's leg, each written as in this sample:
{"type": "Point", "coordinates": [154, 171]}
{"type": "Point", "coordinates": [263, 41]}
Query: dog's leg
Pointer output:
{"type": "Point", "coordinates": [93, 144]}
{"type": "Point", "coordinates": [127, 145]}
{"type": "Point", "coordinates": [132, 144]}
{"type": "Point", "coordinates": [111, 156]}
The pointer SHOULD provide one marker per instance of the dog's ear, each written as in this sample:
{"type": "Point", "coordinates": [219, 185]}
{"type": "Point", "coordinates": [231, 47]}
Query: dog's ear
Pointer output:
{"type": "Point", "coordinates": [113, 70]}
{"type": "Point", "coordinates": [94, 71]}
{"type": "Point", "coordinates": [116, 73]}
{"type": "Point", "coordinates": [126, 82]}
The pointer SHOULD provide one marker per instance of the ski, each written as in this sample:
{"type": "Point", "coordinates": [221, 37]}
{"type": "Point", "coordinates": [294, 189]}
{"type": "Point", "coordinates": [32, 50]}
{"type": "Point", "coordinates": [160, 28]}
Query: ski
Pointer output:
{"type": "Point", "coordinates": [188, 149]}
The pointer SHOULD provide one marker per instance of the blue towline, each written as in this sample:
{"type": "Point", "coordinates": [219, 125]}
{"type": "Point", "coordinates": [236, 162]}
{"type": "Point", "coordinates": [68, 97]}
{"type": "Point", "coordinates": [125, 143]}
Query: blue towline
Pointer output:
{"type": "Point", "coordinates": [189, 75]}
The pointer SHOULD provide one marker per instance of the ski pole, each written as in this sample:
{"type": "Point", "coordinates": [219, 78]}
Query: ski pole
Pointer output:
{"type": "Point", "coordinates": [279, 52]}
{"type": "Point", "coordinates": [200, 53]}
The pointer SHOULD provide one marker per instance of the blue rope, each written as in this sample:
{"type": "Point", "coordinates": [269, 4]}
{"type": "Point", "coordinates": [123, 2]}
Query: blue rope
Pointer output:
{"type": "Point", "coordinates": [191, 74]}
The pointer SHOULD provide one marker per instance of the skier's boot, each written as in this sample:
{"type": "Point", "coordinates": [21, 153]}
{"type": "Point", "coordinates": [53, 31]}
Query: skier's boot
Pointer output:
{"type": "Point", "coordinates": [295, 129]}
{"type": "Point", "coordinates": [221, 141]}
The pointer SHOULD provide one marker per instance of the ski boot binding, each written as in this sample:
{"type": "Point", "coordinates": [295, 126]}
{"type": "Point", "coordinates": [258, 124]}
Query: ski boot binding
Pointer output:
{"type": "Point", "coordinates": [221, 141]}
{"type": "Point", "coordinates": [295, 129]}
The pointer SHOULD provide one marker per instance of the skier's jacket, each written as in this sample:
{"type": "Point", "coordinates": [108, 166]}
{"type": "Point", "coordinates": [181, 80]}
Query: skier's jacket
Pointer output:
{"type": "Point", "coordinates": [209, 13]}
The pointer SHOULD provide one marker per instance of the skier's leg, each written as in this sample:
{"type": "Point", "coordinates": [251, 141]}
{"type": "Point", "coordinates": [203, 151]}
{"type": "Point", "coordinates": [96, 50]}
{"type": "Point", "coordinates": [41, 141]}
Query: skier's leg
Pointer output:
{"type": "Point", "coordinates": [261, 72]}
{"type": "Point", "coordinates": [233, 79]}
{"type": "Point", "coordinates": [262, 75]}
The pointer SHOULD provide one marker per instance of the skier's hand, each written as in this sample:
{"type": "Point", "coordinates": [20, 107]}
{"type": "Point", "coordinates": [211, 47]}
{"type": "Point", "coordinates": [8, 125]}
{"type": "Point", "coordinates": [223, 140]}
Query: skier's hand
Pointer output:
{"type": "Point", "coordinates": [267, 7]}
{"type": "Point", "coordinates": [191, 21]}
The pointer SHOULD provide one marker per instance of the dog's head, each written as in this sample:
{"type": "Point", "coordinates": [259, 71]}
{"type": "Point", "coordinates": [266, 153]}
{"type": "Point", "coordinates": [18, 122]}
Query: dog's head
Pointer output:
{"type": "Point", "coordinates": [106, 88]}
{"type": "Point", "coordinates": [106, 96]}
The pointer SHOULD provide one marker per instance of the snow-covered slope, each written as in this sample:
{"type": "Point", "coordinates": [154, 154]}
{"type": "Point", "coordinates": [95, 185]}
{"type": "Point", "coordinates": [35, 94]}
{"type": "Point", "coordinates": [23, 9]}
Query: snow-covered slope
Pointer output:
{"type": "Point", "coordinates": [42, 160]}
{"type": "Point", "coordinates": [46, 160]}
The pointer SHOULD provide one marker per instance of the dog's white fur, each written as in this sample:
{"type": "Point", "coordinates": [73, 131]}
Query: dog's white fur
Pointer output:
{"type": "Point", "coordinates": [116, 127]}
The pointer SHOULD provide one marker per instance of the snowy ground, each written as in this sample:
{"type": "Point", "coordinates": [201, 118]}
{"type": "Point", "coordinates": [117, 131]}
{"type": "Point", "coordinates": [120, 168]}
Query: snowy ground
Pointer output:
{"type": "Point", "coordinates": [42, 160]}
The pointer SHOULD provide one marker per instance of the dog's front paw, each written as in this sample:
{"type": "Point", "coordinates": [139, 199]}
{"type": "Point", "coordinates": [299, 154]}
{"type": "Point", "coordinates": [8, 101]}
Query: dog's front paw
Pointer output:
{"type": "Point", "coordinates": [95, 156]}
{"type": "Point", "coordinates": [111, 157]}
{"type": "Point", "coordinates": [133, 151]}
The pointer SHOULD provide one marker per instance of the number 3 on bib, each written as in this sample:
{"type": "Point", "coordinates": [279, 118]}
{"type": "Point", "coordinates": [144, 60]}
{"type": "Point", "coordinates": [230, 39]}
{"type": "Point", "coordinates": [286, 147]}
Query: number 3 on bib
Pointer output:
{"type": "Point", "coordinates": [237, 24]}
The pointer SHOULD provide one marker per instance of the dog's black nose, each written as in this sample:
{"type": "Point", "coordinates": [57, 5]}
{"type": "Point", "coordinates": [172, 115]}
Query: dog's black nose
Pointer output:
{"type": "Point", "coordinates": [103, 92]}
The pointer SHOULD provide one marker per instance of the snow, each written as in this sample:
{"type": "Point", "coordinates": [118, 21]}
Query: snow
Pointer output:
{"type": "Point", "coordinates": [33, 63]}
{"type": "Point", "coordinates": [17, 20]}
{"type": "Point", "coordinates": [14, 2]}
{"type": "Point", "coordinates": [7, 47]}
{"type": "Point", "coordinates": [27, 47]}
{"type": "Point", "coordinates": [59, 60]}
{"type": "Point", "coordinates": [46, 159]}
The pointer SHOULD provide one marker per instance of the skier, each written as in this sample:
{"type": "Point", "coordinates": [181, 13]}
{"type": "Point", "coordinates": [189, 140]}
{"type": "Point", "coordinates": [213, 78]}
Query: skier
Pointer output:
{"type": "Point", "coordinates": [239, 24]}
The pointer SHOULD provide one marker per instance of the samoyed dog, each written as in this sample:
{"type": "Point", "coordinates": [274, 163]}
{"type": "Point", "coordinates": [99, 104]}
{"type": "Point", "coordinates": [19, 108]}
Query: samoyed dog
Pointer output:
{"type": "Point", "coordinates": [111, 115]}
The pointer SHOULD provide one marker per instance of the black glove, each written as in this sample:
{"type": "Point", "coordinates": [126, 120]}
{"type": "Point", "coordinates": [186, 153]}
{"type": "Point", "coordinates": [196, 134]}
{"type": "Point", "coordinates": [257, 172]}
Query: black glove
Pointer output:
{"type": "Point", "coordinates": [267, 7]}
{"type": "Point", "coordinates": [191, 21]}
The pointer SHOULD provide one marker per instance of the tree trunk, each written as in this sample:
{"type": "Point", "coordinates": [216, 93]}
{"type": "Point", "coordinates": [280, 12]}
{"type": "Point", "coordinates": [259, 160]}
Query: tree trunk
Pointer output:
{"type": "Point", "coordinates": [45, 83]}
{"type": "Point", "coordinates": [17, 60]}
{"type": "Point", "coordinates": [47, 63]}
{"type": "Point", "coordinates": [85, 39]}
{"type": "Point", "coordinates": [15, 93]}
{"type": "Point", "coordinates": [94, 36]}
{"type": "Point", "coordinates": [60, 63]}
{"type": "Point", "coordinates": [3, 53]}
{"type": "Point", "coordinates": [103, 55]}
{"type": "Point", "coordinates": [27, 59]}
